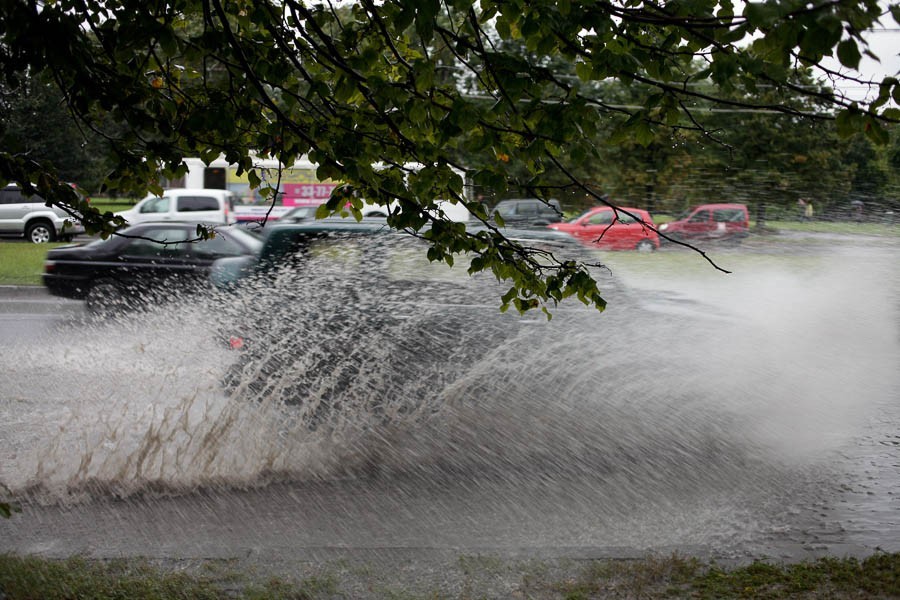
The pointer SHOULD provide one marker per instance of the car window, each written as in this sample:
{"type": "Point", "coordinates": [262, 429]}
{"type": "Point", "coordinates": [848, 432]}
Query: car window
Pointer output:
{"type": "Point", "coordinates": [547, 209]}
{"type": "Point", "coordinates": [168, 242]}
{"type": "Point", "coordinates": [197, 203]}
{"type": "Point", "coordinates": [300, 212]}
{"type": "Point", "coordinates": [14, 195]}
{"type": "Point", "coordinates": [219, 246]}
{"type": "Point", "coordinates": [11, 196]}
{"type": "Point", "coordinates": [700, 217]}
{"type": "Point", "coordinates": [527, 208]}
{"type": "Point", "coordinates": [394, 257]}
{"type": "Point", "coordinates": [156, 205]}
{"type": "Point", "coordinates": [604, 217]}
{"type": "Point", "coordinates": [728, 215]}
{"type": "Point", "coordinates": [246, 237]}
{"type": "Point", "coordinates": [506, 210]}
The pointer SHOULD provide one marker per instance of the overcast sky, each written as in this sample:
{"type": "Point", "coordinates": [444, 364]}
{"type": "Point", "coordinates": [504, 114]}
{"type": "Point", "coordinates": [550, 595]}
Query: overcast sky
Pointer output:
{"type": "Point", "coordinates": [884, 43]}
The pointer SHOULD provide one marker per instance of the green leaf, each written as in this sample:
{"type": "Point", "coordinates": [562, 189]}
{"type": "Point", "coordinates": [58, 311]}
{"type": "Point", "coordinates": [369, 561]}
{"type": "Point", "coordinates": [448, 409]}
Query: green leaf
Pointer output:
{"type": "Point", "coordinates": [761, 15]}
{"type": "Point", "coordinates": [503, 28]}
{"type": "Point", "coordinates": [426, 12]}
{"type": "Point", "coordinates": [168, 42]}
{"type": "Point", "coordinates": [876, 132]}
{"type": "Point", "coordinates": [322, 211]}
{"type": "Point", "coordinates": [848, 54]}
{"type": "Point", "coordinates": [848, 122]}
{"type": "Point", "coordinates": [643, 133]}
{"type": "Point", "coordinates": [584, 70]}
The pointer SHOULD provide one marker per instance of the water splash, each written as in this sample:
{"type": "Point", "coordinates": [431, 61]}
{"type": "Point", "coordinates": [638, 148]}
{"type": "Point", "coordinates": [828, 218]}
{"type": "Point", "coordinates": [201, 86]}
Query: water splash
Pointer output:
{"type": "Point", "coordinates": [682, 414]}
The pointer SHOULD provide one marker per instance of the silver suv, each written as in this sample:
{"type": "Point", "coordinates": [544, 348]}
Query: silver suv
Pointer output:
{"type": "Point", "coordinates": [31, 217]}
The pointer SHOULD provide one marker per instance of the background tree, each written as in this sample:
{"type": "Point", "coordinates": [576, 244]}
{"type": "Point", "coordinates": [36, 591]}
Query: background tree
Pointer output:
{"type": "Point", "coordinates": [35, 121]}
{"type": "Point", "coordinates": [365, 84]}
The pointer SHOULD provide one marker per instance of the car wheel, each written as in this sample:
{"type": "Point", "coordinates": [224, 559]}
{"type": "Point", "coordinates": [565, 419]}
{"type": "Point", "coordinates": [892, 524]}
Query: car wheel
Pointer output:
{"type": "Point", "coordinates": [645, 246]}
{"type": "Point", "coordinates": [103, 298]}
{"type": "Point", "coordinates": [40, 232]}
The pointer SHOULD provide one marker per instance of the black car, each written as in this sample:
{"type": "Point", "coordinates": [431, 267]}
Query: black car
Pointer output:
{"type": "Point", "coordinates": [353, 325]}
{"type": "Point", "coordinates": [140, 262]}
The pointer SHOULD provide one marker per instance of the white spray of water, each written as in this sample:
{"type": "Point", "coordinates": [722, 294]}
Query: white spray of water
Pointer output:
{"type": "Point", "coordinates": [642, 406]}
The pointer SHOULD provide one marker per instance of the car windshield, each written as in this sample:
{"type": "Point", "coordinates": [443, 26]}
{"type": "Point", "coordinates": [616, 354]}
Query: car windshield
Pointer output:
{"type": "Point", "coordinates": [581, 216]}
{"type": "Point", "coordinates": [604, 217]}
{"type": "Point", "coordinates": [247, 237]}
{"type": "Point", "coordinates": [300, 212]}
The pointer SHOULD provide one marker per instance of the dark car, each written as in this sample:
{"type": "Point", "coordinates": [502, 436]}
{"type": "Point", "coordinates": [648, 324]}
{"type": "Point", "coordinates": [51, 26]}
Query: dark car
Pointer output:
{"type": "Point", "coordinates": [528, 212]}
{"type": "Point", "coordinates": [147, 260]}
{"type": "Point", "coordinates": [366, 326]}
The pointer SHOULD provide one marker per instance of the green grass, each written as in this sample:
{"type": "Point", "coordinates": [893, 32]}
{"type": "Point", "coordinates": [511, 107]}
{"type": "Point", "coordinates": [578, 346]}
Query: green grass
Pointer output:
{"type": "Point", "coordinates": [836, 227]}
{"type": "Point", "coordinates": [112, 205]}
{"type": "Point", "coordinates": [875, 577]}
{"type": "Point", "coordinates": [22, 263]}
{"type": "Point", "coordinates": [31, 578]}
{"type": "Point", "coordinates": [878, 576]}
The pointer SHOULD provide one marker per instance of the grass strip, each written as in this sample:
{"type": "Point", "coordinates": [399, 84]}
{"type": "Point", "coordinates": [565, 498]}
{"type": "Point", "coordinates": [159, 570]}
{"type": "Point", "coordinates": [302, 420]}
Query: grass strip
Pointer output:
{"type": "Point", "coordinates": [22, 263]}
{"type": "Point", "coordinates": [878, 576]}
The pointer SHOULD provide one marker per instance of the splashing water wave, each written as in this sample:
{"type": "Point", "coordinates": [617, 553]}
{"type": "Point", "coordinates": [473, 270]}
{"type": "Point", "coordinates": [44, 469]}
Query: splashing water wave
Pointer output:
{"type": "Point", "coordinates": [345, 377]}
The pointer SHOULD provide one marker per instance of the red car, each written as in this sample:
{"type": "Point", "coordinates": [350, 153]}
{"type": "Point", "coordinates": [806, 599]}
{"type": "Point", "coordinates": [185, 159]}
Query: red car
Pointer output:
{"type": "Point", "coordinates": [613, 229]}
{"type": "Point", "coordinates": [710, 222]}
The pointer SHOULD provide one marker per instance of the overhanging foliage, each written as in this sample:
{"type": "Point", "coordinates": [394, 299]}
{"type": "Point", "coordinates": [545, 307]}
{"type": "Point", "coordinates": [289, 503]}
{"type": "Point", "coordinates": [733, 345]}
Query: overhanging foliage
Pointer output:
{"type": "Point", "coordinates": [433, 82]}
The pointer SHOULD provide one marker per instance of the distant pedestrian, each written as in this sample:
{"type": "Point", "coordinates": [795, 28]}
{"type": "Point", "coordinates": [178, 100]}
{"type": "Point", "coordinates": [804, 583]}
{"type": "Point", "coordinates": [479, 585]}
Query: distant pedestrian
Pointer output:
{"type": "Point", "coordinates": [801, 208]}
{"type": "Point", "coordinates": [809, 211]}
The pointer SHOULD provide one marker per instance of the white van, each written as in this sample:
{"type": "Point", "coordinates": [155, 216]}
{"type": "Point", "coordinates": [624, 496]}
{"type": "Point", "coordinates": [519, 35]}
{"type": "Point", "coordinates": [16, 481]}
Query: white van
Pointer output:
{"type": "Point", "coordinates": [452, 211]}
{"type": "Point", "coordinates": [184, 204]}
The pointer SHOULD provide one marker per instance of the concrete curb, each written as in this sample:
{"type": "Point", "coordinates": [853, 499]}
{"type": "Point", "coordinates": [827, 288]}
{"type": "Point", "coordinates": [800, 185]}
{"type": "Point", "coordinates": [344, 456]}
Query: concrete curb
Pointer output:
{"type": "Point", "coordinates": [23, 291]}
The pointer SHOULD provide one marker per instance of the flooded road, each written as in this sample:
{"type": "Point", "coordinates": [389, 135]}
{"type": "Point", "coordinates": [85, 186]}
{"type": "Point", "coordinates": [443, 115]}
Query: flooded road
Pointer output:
{"type": "Point", "coordinates": [754, 414]}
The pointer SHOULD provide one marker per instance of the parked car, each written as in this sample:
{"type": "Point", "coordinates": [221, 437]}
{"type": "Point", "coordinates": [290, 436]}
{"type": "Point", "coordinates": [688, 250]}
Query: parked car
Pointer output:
{"type": "Point", "coordinates": [710, 222]}
{"type": "Point", "coordinates": [29, 216]}
{"type": "Point", "coordinates": [144, 261]}
{"type": "Point", "coordinates": [613, 229]}
{"type": "Point", "coordinates": [528, 212]}
{"type": "Point", "coordinates": [185, 204]}
{"type": "Point", "coordinates": [299, 213]}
